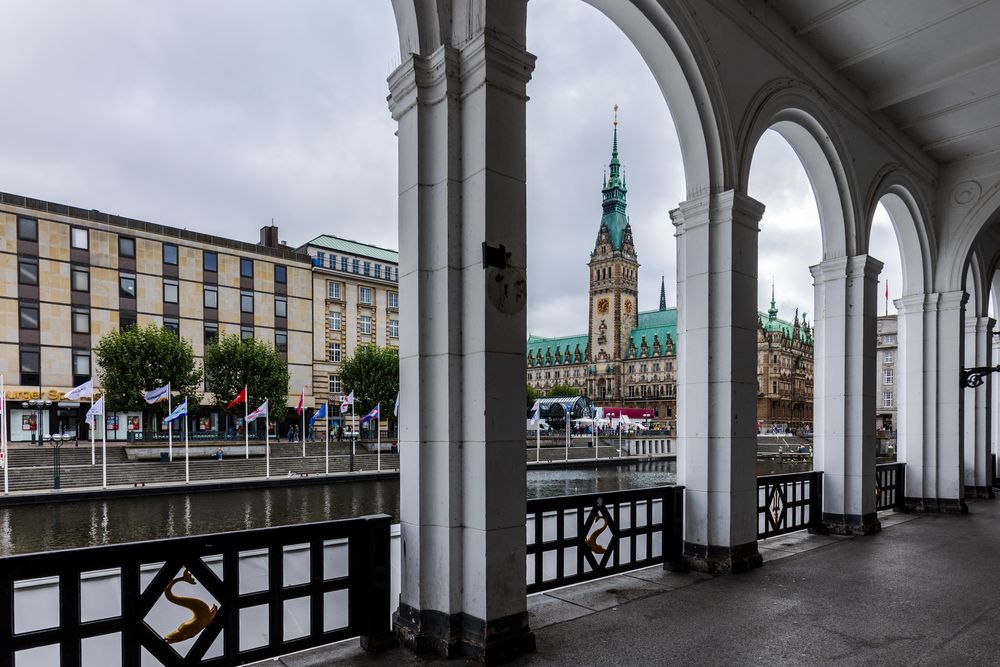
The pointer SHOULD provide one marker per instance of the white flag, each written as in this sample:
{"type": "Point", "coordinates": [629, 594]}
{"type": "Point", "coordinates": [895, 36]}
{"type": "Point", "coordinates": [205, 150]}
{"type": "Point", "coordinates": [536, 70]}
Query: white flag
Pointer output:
{"type": "Point", "coordinates": [85, 389]}
{"type": "Point", "coordinates": [259, 412]}
{"type": "Point", "coordinates": [96, 409]}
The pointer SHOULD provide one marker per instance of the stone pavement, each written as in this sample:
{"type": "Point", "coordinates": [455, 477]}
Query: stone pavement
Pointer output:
{"type": "Point", "coordinates": [924, 592]}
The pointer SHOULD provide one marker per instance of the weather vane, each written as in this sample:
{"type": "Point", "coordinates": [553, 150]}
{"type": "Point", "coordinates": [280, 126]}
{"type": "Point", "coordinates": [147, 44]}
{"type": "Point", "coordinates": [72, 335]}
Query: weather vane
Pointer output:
{"type": "Point", "coordinates": [616, 116]}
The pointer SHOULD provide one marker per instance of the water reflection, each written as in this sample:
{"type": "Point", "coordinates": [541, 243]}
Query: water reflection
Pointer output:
{"type": "Point", "coordinates": [64, 525]}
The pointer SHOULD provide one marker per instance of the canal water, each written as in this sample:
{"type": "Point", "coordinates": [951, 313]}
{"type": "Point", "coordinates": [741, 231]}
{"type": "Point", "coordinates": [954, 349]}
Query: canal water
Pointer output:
{"type": "Point", "coordinates": [35, 528]}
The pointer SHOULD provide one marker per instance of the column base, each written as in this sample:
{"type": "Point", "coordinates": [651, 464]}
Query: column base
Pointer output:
{"type": "Point", "coordinates": [851, 524]}
{"type": "Point", "coordinates": [722, 560]}
{"type": "Point", "coordinates": [979, 492]}
{"type": "Point", "coordinates": [936, 505]}
{"type": "Point", "coordinates": [462, 635]}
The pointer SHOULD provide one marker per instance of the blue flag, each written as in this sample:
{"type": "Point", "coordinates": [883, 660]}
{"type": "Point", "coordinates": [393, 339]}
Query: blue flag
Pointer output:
{"type": "Point", "coordinates": [370, 416]}
{"type": "Point", "coordinates": [180, 411]}
{"type": "Point", "coordinates": [319, 414]}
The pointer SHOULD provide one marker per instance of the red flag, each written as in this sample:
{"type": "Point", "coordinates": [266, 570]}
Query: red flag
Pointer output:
{"type": "Point", "coordinates": [302, 402]}
{"type": "Point", "coordinates": [886, 290]}
{"type": "Point", "coordinates": [240, 398]}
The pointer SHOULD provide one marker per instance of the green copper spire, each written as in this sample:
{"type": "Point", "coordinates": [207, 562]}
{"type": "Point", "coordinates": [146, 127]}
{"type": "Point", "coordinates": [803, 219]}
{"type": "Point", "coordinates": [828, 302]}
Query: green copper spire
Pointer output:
{"type": "Point", "coordinates": [614, 194]}
{"type": "Point", "coordinates": [772, 312]}
{"type": "Point", "coordinates": [663, 293]}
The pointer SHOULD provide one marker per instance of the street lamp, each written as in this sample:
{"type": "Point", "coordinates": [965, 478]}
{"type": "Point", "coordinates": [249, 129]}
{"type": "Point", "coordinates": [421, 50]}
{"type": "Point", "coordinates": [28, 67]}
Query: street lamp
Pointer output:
{"type": "Point", "coordinates": [57, 440]}
{"type": "Point", "coordinates": [38, 405]}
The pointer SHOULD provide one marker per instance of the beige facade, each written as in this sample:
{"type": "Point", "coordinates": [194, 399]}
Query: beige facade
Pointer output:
{"type": "Point", "coordinates": [355, 302]}
{"type": "Point", "coordinates": [68, 276]}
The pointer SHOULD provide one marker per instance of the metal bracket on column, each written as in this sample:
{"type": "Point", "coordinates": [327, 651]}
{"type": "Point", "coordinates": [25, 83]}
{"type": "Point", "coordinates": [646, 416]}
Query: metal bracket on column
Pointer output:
{"type": "Point", "coordinates": [973, 377]}
{"type": "Point", "coordinates": [494, 256]}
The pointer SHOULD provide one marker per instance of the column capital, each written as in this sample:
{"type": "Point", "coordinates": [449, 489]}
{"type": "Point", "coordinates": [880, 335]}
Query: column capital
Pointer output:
{"type": "Point", "coordinates": [979, 325]}
{"type": "Point", "coordinates": [838, 268]}
{"type": "Point", "coordinates": [714, 207]}
{"type": "Point", "coordinates": [911, 303]}
{"type": "Point", "coordinates": [950, 300]}
{"type": "Point", "coordinates": [428, 78]}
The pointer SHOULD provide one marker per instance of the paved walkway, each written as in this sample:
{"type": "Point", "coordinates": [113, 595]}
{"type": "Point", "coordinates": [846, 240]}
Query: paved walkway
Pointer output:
{"type": "Point", "coordinates": [923, 592]}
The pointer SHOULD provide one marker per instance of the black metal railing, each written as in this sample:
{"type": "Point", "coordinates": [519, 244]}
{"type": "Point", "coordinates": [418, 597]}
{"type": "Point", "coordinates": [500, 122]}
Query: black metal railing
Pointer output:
{"type": "Point", "coordinates": [890, 485]}
{"type": "Point", "coordinates": [577, 538]}
{"type": "Point", "coordinates": [274, 591]}
{"type": "Point", "coordinates": [994, 480]}
{"type": "Point", "coordinates": [789, 502]}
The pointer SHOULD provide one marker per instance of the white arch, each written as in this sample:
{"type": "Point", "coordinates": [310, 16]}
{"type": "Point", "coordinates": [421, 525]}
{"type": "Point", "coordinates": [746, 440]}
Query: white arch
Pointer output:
{"type": "Point", "coordinates": [894, 189]}
{"type": "Point", "coordinates": [792, 110]}
{"type": "Point", "coordinates": [954, 254]}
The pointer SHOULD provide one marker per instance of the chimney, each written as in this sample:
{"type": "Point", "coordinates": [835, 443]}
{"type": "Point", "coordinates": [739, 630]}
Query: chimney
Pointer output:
{"type": "Point", "coordinates": [269, 236]}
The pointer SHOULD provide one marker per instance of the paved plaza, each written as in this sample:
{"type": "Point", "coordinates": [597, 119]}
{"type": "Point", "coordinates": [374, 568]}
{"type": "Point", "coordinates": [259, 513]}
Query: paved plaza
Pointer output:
{"type": "Point", "coordinates": [923, 591]}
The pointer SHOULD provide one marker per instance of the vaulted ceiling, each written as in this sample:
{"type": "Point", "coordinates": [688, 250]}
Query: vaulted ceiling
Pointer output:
{"type": "Point", "coordinates": [932, 66]}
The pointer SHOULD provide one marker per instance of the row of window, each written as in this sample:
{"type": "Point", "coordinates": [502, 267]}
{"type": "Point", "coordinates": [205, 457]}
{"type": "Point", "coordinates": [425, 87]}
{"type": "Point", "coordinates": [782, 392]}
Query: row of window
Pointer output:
{"type": "Point", "coordinates": [27, 230]}
{"type": "Point", "coordinates": [335, 292]}
{"type": "Point", "coordinates": [359, 266]}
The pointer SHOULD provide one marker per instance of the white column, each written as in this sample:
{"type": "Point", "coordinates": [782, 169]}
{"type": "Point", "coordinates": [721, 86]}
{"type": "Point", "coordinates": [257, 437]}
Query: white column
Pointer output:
{"type": "Point", "coordinates": [717, 378]}
{"type": "Point", "coordinates": [461, 115]}
{"type": "Point", "coordinates": [845, 385]}
{"type": "Point", "coordinates": [994, 438]}
{"type": "Point", "coordinates": [977, 410]}
{"type": "Point", "coordinates": [914, 384]}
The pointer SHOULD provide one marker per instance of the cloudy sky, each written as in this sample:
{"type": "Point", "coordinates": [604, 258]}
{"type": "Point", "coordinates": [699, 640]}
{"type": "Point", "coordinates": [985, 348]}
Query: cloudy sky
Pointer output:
{"type": "Point", "coordinates": [219, 116]}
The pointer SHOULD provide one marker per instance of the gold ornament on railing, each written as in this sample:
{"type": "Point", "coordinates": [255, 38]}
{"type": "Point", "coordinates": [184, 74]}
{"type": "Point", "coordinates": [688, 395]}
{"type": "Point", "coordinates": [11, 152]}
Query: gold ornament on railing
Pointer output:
{"type": "Point", "coordinates": [201, 613]}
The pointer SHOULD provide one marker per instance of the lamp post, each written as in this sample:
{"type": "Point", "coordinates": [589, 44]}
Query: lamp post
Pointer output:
{"type": "Point", "coordinates": [37, 404]}
{"type": "Point", "coordinates": [57, 440]}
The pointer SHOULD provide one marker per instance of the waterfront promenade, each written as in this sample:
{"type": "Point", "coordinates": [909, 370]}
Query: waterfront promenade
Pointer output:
{"type": "Point", "coordinates": [921, 592]}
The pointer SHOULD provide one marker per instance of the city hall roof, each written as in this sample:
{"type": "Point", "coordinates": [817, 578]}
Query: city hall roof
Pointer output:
{"type": "Point", "coordinates": [348, 247]}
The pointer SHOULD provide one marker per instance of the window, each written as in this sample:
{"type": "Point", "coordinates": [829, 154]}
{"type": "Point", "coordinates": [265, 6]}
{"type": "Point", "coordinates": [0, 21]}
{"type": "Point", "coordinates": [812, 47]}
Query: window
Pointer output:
{"type": "Point", "coordinates": [333, 261]}
{"type": "Point", "coordinates": [887, 376]}
{"type": "Point", "coordinates": [886, 399]}
{"type": "Point", "coordinates": [889, 339]}
{"type": "Point", "coordinates": [394, 300]}
{"type": "Point", "coordinates": [211, 332]}
{"type": "Point", "coordinates": [378, 271]}
{"type": "Point", "coordinates": [246, 333]}
{"type": "Point", "coordinates": [81, 363]}
{"type": "Point", "coordinates": [280, 306]}
{"type": "Point", "coordinates": [246, 268]}
{"type": "Point", "coordinates": [125, 321]}
{"type": "Point", "coordinates": [280, 274]}
{"type": "Point", "coordinates": [81, 321]}
{"type": "Point", "coordinates": [27, 271]}
{"type": "Point", "coordinates": [365, 295]}
{"type": "Point", "coordinates": [170, 254]}
{"type": "Point", "coordinates": [126, 285]}
{"type": "Point", "coordinates": [173, 325]}
{"type": "Point", "coordinates": [335, 386]}
{"type": "Point", "coordinates": [343, 263]}
{"type": "Point", "coordinates": [126, 246]}
{"type": "Point", "coordinates": [888, 357]}
{"type": "Point", "coordinates": [79, 239]}
{"type": "Point", "coordinates": [334, 290]}
{"type": "Point", "coordinates": [79, 278]}
{"type": "Point", "coordinates": [368, 266]}
{"type": "Point", "coordinates": [393, 328]}
{"type": "Point", "coordinates": [366, 324]}
{"type": "Point", "coordinates": [210, 261]}
{"type": "Point", "coordinates": [211, 297]}
{"type": "Point", "coordinates": [171, 291]}
{"type": "Point", "coordinates": [31, 367]}
{"type": "Point", "coordinates": [27, 229]}
{"type": "Point", "coordinates": [355, 263]}
{"type": "Point", "coordinates": [29, 315]}
{"type": "Point", "coordinates": [334, 320]}
{"type": "Point", "coordinates": [246, 301]}
{"type": "Point", "coordinates": [320, 258]}
{"type": "Point", "coordinates": [334, 353]}
{"type": "Point", "coordinates": [281, 341]}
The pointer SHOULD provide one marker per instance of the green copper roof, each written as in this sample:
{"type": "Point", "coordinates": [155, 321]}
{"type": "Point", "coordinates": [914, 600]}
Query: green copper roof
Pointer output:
{"type": "Point", "coordinates": [347, 247]}
{"type": "Point", "coordinates": [655, 325]}
{"type": "Point", "coordinates": [771, 323]}
{"type": "Point", "coordinates": [614, 194]}
{"type": "Point", "coordinates": [556, 346]}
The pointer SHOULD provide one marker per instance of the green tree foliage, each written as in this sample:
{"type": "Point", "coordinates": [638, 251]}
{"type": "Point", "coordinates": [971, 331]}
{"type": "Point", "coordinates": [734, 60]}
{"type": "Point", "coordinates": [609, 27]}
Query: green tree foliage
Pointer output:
{"type": "Point", "coordinates": [232, 363]}
{"type": "Point", "coordinates": [373, 375]}
{"type": "Point", "coordinates": [563, 390]}
{"type": "Point", "coordinates": [138, 359]}
{"type": "Point", "coordinates": [534, 395]}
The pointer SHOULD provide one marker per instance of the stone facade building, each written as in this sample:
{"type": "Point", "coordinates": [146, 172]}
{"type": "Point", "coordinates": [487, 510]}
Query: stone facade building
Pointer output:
{"type": "Point", "coordinates": [784, 371]}
{"type": "Point", "coordinates": [888, 353]}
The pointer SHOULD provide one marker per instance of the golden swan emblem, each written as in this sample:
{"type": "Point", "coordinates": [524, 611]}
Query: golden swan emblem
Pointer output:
{"type": "Point", "coordinates": [201, 613]}
{"type": "Point", "coordinates": [592, 540]}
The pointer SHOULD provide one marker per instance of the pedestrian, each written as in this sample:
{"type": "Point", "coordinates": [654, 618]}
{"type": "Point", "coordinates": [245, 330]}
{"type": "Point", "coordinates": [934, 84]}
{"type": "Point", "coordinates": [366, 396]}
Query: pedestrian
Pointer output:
{"type": "Point", "coordinates": [291, 433]}
{"type": "Point", "coordinates": [218, 454]}
{"type": "Point", "coordinates": [340, 433]}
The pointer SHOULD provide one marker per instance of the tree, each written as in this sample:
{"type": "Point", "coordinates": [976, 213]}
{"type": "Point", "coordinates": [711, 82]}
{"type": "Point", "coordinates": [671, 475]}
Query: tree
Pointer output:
{"type": "Point", "coordinates": [232, 363]}
{"type": "Point", "coordinates": [534, 395]}
{"type": "Point", "coordinates": [138, 359]}
{"type": "Point", "coordinates": [563, 390]}
{"type": "Point", "coordinates": [373, 375]}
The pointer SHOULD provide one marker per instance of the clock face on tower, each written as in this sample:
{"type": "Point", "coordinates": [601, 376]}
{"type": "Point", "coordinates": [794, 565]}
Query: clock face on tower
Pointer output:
{"type": "Point", "coordinates": [628, 307]}
{"type": "Point", "coordinates": [603, 305]}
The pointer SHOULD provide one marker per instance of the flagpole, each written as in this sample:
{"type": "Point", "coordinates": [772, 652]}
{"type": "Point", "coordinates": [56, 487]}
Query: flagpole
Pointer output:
{"type": "Point", "coordinates": [187, 462]}
{"type": "Point", "coordinates": [246, 427]}
{"type": "Point", "coordinates": [378, 437]}
{"type": "Point", "coordinates": [303, 433]}
{"type": "Point", "coordinates": [267, 443]}
{"type": "Point", "coordinates": [538, 435]}
{"type": "Point", "coordinates": [354, 438]}
{"type": "Point", "coordinates": [3, 433]}
{"type": "Point", "coordinates": [328, 437]}
{"type": "Point", "coordinates": [93, 459]}
{"type": "Point", "coordinates": [104, 444]}
{"type": "Point", "coordinates": [567, 432]}
{"type": "Point", "coordinates": [170, 427]}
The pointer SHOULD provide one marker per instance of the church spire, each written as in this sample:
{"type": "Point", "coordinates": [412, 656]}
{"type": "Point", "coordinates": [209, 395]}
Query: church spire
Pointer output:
{"type": "Point", "coordinates": [614, 194]}
{"type": "Point", "coordinates": [772, 312]}
{"type": "Point", "coordinates": [663, 293]}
